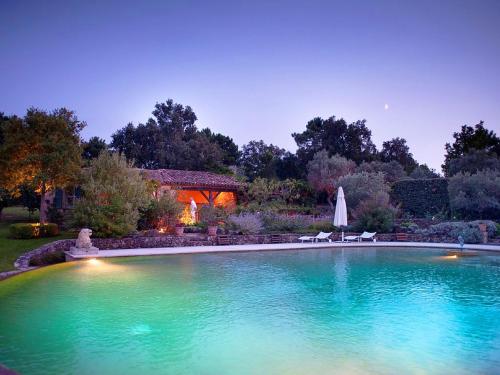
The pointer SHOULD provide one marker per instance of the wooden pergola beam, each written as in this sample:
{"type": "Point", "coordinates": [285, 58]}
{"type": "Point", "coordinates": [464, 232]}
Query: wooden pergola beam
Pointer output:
{"type": "Point", "coordinates": [211, 196]}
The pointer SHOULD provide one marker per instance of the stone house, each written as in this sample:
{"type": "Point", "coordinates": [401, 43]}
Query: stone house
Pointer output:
{"type": "Point", "coordinates": [206, 188]}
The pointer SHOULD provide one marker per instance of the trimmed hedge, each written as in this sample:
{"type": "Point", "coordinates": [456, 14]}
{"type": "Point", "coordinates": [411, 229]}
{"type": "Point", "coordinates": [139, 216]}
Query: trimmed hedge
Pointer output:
{"type": "Point", "coordinates": [422, 198]}
{"type": "Point", "coordinates": [26, 230]}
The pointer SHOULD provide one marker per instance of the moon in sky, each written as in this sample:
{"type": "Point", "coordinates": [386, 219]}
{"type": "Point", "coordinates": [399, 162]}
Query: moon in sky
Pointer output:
{"type": "Point", "coordinates": [386, 107]}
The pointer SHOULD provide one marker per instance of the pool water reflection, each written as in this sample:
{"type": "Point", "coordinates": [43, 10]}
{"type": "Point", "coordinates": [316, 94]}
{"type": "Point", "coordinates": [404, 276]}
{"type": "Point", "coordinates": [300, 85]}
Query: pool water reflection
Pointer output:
{"type": "Point", "coordinates": [295, 312]}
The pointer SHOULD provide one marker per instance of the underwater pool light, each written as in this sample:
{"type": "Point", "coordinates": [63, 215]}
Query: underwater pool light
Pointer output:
{"type": "Point", "coordinates": [94, 261]}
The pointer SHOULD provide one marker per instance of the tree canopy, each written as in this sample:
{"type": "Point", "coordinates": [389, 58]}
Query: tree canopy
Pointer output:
{"type": "Point", "coordinates": [41, 150]}
{"type": "Point", "coordinates": [352, 141]}
{"type": "Point", "coordinates": [396, 149]}
{"type": "Point", "coordinates": [474, 161]}
{"type": "Point", "coordinates": [469, 139]}
{"type": "Point", "coordinates": [323, 172]}
{"type": "Point", "coordinates": [93, 147]}
{"type": "Point", "coordinates": [260, 160]}
{"type": "Point", "coordinates": [231, 153]}
{"type": "Point", "coordinates": [171, 139]}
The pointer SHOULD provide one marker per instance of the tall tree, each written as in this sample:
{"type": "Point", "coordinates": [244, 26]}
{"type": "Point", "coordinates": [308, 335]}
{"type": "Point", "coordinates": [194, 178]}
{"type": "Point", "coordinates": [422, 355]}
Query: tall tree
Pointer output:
{"type": "Point", "coordinates": [352, 141]}
{"type": "Point", "coordinates": [170, 139]}
{"type": "Point", "coordinates": [93, 147]}
{"type": "Point", "coordinates": [324, 171]}
{"type": "Point", "coordinates": [174, 119]}
{"type": "Point", "coordinates": [260, 160]}
{"type": "Point", "coordinates": [469, 139]}
{"type": "Point", "coordinates": [288, 167]}
{"type": "Point", "coordinates": [396, 149]}
{"type": "Point", "coordinates": [230, 150]}
{"type": "Point", "coordinates": [41, 150]}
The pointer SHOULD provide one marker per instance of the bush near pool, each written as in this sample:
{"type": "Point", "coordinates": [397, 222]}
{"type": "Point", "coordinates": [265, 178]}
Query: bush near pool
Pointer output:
{"type": "Point", "coordinates": [25, 231]}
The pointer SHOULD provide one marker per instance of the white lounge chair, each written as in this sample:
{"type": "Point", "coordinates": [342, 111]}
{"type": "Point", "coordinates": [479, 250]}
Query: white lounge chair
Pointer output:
{"type": "Point", "coordinates": [321, 236]}
{"type": "Point", "coordinates": [351, 238]}
{"type": "Point", "coordinates": [368, 236]}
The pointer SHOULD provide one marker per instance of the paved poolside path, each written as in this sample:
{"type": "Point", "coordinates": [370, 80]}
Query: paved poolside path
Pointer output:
{"type": "Point", "coordinates": [270, 247]}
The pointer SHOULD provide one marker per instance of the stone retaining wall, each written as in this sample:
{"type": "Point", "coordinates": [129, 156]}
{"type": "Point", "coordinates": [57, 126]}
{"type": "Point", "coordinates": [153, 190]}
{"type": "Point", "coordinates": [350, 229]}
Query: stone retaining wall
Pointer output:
{"type": "Point", "coordinates": [23, 262]}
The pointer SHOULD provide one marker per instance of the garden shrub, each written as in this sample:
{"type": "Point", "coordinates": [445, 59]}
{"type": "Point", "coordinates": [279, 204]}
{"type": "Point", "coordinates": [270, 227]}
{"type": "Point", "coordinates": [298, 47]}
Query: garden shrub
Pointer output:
{"type": "Point", "coordinates": [263, 193]}
{"type": "Point", "coordinates": [195, 228]}
{"type": "Point", "coordinates": [393, 171]}
{"type": "Point", "coordinates": [375, 214]}
{"type": "Point", "coordinates": [160, 213]}
{"type": "Point", "coordinates": [113, 193]}
{"type": "Point", "coordinates": [246, 223]}
{"type": "Point", "coordinates": [422, 172]}
{"type": "Point", "coordinates": [491, 226]}
{"type": "Point", "coordinates": [212, 215]}
{"type": "Point", "coordinates": [322, 226]}
{"type": "Point", "coordinates": [49, 230]}
{"type": "Point", "coordinates": [421, 198]}
{"type": "Point", "coordinates": [277, 207]}
{"type": "Point", "coordinates": [26, 230]}
{"type": "Point", "coordinates": [23, 231]}
{"type": "Point", "coordinates": [474, 161]}
{"type": "Point", "coordinates": [377, 219]}
{"type": "Point", "coordinates": [468, 230]}
{"type": "Point", "coordinates": [476, 195]}
{"type": "Point", "coordinates": [409, 226]}
{"type": "Point", "coordinates": [283, 224]}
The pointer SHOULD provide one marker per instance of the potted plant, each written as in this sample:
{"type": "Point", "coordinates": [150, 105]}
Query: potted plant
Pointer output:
{"type": "Point", "coordinates": [212, 216]}
{"type": "Point", "coordinates": [179, 228]}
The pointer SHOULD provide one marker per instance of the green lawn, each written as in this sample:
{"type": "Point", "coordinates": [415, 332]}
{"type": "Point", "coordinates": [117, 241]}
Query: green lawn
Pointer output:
{"type": "Point", "coordinates": [10, 249]}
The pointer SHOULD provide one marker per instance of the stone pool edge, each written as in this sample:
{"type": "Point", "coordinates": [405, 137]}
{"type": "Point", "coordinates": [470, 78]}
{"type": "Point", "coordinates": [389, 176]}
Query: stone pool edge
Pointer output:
{"type": "Point", "coordinates": [270, 247]}
{"type": "Point", "coordinates": [246, 248]}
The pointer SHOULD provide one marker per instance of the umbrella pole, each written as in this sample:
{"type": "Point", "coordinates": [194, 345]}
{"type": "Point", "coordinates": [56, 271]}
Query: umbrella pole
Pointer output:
{"type": "Point", "coordinates": [342, 236]}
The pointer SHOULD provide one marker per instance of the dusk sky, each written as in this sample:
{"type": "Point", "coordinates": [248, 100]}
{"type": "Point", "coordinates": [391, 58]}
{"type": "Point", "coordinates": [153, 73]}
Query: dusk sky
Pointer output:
{"type": "Point", "coordinates": [259, 69]}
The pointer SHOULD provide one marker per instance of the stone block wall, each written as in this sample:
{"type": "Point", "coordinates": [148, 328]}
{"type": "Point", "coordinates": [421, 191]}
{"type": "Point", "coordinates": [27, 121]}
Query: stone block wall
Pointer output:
{"type": "Point", "coordinates": [133, 242]}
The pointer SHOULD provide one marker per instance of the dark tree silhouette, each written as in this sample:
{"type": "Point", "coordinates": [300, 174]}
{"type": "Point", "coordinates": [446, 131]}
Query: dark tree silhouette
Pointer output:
{"type": "Point", "coordinates": [396, 149]}
{"type": "Point", "coordinates": [352, 141]}
{"type": "Point", "coordinates": [469, 139]}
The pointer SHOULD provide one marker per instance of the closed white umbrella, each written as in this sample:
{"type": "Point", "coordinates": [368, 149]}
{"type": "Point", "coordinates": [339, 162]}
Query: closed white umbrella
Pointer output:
{"type": "Point", "coordinates": [340, 218]}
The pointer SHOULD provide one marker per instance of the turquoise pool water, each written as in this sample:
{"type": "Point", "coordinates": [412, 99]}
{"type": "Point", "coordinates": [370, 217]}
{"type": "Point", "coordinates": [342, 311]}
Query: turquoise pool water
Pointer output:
{"type": "Point", "coordinates": [377, 311]}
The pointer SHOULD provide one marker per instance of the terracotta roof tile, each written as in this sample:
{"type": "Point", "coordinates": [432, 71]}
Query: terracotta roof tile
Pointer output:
{"type": "Point", "coordinates": [194, 179]}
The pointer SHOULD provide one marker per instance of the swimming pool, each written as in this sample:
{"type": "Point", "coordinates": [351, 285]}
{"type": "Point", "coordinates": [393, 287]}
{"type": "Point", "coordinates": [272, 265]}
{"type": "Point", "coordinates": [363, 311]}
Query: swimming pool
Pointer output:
{"type": "Point", "coordinates": [369, 310]}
